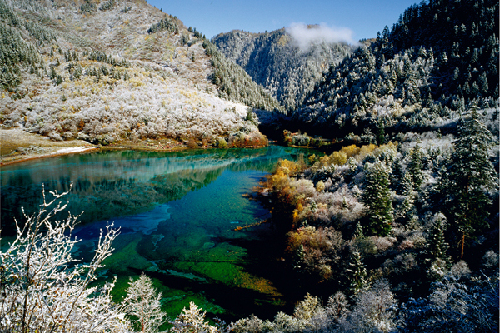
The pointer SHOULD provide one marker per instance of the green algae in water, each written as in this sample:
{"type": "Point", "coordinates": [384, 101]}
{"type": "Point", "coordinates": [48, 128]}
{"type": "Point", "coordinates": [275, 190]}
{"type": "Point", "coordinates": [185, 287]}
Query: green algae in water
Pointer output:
{"type": "Point", "coordinates": [177, 213]}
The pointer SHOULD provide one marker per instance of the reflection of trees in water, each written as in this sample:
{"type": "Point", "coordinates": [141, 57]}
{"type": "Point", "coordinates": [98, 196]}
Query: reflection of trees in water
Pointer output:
{"type": "Point", "coordinates": [105, 185]}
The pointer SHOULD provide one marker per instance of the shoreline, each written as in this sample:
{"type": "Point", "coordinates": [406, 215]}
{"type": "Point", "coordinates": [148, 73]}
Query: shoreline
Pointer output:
{"type": "Point", "coordinates": [18, 146]}
{"type": "Point", "coordinates": [61, 152]}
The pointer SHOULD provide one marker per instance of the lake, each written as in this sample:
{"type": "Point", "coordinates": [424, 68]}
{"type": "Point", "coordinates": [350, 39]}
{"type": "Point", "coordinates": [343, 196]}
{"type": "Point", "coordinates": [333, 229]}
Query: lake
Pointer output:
{"type": "Point", "coordinates": [178, 213]}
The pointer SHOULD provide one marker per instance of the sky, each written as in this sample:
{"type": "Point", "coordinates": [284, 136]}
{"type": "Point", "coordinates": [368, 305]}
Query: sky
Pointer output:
{"type": "Point", "coordinates": [354, 19]}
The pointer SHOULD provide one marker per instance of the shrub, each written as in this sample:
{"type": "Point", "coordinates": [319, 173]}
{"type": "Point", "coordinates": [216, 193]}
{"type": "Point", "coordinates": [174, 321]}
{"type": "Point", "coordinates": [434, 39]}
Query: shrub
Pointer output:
{"type": "Point", "coordinates": [221, 143]}
{"type": "Point", "coordinates": [315, 250]}
{"type": "Point", "coordinates": [191, 143]}
{"type": "Point", "coordinates": [42, 289]}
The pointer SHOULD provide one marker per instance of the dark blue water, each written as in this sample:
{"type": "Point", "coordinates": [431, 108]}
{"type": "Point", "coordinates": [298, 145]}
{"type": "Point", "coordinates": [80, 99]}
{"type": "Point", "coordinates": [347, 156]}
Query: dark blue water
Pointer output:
{"type": "Point", "coordinates": [177, 213]}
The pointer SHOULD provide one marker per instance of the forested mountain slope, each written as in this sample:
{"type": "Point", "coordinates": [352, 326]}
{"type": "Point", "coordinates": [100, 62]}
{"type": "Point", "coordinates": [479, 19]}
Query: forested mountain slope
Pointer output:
{"type": "Point", "coordinates": [106, 71]}
{"type": "Point", "coordinates": [275, 61]}
{"type": "Point", "coordinates": [439, 58]}
{"type": "Point", "coordinates": [400, 225]}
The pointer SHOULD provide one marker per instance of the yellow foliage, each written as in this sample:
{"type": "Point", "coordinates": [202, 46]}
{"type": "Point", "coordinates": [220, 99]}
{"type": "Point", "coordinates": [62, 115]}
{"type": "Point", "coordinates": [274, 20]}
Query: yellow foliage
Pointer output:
{"type": "Point", "coordinates": [351, 150]}
{"type": "Point", "coordinates": [279, 178]}
{"type": "Point", "coordinates": [320, 186]}
{"type": "Point", "coordinates": [312, 158]}
{"type": "Point", "coordinates": [338, 158]}
{"type": "Point", "coordinates": [287, 167]}
{"type": "Point", "coordinates": [365, 151]}
{"type": "Point", "coordinates": [388, 146]}
{"type": "Point", "coordinates": [308, 236]}
{"type": "Point", "coordinates": [295, 238]}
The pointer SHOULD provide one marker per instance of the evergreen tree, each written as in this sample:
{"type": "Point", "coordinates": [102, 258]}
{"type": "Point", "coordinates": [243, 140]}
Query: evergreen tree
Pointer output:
{"type": "Point", "coordinates": [407, 208]}
{"type": "Point", "coordinates": [469, 176]}
{"type": "Point", "coordinates": [53, 73]}
{"type": "Point", "coordinates": [380, 133]}
{"type": "Point", "coordinates": [358, 233]}
{"type": "Point", "coordinates": [415, 167]}
{"type": "Point", "coordinates": [377, 197]}
{"type": "Point", "coordinates": [437, 258]}
{"type": "Point", "coordinates": [397, 176]}
{"type": "Point", "coordinates": [356, 274]}
{"type": "Point", "coordinates": [437, 246]}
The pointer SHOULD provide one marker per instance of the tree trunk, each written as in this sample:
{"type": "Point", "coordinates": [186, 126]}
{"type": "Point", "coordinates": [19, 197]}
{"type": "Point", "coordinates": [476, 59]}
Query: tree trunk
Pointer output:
{"type": "Point", "coordinates": [463, 241]}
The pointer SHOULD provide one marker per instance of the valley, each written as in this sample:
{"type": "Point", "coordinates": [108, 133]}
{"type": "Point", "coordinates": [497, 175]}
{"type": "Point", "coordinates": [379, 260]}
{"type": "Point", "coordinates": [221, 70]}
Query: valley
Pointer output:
{"type": "Point", "coordinates": [278, 182]}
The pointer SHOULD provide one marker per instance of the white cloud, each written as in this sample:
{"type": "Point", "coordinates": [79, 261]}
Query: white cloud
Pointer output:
{"type": "Point", "coordinates": [304, 35]}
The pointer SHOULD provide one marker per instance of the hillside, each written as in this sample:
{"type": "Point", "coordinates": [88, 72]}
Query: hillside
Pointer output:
{"type": "Point", "coordinates": [108, 72]}
{"type": "Point", "coordinates": [396, 230]}
{"type": "Point", "coordinates": [277, 61]}
{"type": "Point", "coordinates": [438, 60]}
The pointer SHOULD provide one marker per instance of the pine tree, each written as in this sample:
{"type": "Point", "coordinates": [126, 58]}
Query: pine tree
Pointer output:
{"type": "Point", "coordinates": [406, 210]}
{"type": "Point", "coordinates": [469, 176]}
{"type": "Point", "coordinates": [358, 233]}
{"type": "Point", "coordinates": [53, 73]}
{"type": "Point", "coordinates": [415, 167]}
{"type": "Point", "coordinates": [437, 247]}
{"type": "Point", "coordinates": [377, 197]}
{"type": "Point", "coordinates": [397, 176]}
{"type": "Point", "coordinates": [356, 274]}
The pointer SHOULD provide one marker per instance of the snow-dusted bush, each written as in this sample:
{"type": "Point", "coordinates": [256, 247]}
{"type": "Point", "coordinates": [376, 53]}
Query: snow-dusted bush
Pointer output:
{"type": "Point", "coordinates": [375, 311]}
{"type": "Point", "coordinates": [44, 289]}
{"type": "Point", "coordinates": [315, 250]}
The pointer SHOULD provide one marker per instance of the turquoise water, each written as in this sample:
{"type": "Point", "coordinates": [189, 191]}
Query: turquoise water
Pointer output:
{"type": "Point", "coordinates": [177, 213]}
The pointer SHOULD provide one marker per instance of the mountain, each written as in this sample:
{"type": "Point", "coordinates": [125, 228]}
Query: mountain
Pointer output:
{"type": "Point", "coordinates": [109, 71]}
{"type": "Point", "coordinates": [278, 62]}
{"type": "Point", "coordinates": [439, 59]}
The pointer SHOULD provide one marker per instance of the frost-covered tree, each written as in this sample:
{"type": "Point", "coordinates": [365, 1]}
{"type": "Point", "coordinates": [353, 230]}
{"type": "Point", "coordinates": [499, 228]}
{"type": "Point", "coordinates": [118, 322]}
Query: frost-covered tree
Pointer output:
{"type": "Point", "coordinates": [377, 198]}
{"type": "Point", "coordinates": [415, 167]}
{"type": "Point", "coordinates": [375, 311]}
{"type": "Point", "coordinates": [144, 302]}
{"type": "Point", "coordinates": [192, 320]}
{"type": "Point", "coordinates": [43, 287]}
{"type": "Point", "coordinates": [469, 177]}
{"type": "Point", "coordinates": [356, 274]}
{"type": "Point", "coordinates": [455, 305]}
{"type": "Point", "coordinates": [437, 249]}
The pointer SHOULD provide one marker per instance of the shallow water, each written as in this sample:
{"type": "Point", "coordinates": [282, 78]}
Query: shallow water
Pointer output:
{"type": "Point", "coordinates": [177, 213]}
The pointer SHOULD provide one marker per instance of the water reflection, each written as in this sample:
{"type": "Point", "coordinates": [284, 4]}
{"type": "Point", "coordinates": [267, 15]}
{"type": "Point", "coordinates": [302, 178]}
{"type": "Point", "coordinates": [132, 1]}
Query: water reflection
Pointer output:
{"type": "Point", "coordinates": [110, 184]}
